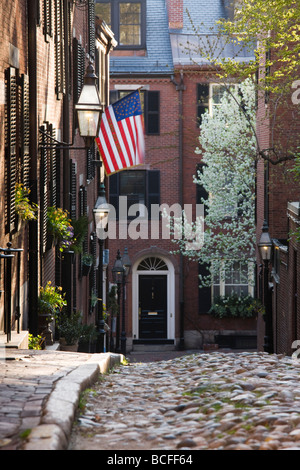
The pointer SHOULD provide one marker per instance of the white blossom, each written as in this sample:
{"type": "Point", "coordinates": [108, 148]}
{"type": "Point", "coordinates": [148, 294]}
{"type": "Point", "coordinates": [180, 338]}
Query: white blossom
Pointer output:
{"type": "Point", "coordinates": [227, 147]}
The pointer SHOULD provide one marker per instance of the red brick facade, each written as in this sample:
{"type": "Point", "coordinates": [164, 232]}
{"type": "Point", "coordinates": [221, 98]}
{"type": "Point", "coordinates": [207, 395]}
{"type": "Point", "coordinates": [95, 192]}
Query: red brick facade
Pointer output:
{"type": "Point", "coordinates": [51, 44]}
{"type": "Point", "coordinates": [276, 189]}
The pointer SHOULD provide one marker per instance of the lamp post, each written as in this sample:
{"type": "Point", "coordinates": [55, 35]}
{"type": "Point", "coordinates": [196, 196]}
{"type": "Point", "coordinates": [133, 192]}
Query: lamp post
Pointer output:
{"type": "Point", "coordinates": [118, 273]}
{"type": "Point", "coordinates": [101, 211]}
{"type": "Point", "coordinates": [265, 249]}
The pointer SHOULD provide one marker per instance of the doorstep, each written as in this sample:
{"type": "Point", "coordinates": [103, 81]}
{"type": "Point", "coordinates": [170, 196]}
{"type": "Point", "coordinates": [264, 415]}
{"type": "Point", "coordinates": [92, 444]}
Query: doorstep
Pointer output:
{"type": "Point", "coordinates": [18, 340]}
{"type": "Point", "coordinates": [148, 345]}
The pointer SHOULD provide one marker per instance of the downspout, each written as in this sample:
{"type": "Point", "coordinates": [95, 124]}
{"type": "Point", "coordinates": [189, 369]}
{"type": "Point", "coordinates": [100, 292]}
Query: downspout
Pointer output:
{"type": "Point", "coordinates": [33, 243]}
{"type": "Point", "coordinates": [180, 88]}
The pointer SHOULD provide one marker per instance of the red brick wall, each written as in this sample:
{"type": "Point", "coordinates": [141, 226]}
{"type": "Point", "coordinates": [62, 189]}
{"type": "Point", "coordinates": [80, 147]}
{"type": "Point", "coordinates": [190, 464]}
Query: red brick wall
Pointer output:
{"type": "Point", "coordinates": [175, 13]}
{"type": "Point", "coordinates": [13, 37]}
{"type": "Point", "coordinates": [161, 154]}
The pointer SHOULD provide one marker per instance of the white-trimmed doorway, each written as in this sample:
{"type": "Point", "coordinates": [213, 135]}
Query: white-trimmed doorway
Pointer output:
{"type": "Point", "coordinates": [153, 300]}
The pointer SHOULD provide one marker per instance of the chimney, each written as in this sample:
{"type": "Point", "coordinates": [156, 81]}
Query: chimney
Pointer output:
{"type": "Point", "coordinates": [175, 13]}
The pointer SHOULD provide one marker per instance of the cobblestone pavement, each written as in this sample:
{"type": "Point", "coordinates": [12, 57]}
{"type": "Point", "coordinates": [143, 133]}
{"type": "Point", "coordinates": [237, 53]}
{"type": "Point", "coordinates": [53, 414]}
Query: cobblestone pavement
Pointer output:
{"type": "Point", "coordinates": [215, 401]}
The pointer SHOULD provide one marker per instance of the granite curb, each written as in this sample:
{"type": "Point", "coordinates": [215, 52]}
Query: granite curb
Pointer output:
{"type": "Point", "coordinates": [55, 427]}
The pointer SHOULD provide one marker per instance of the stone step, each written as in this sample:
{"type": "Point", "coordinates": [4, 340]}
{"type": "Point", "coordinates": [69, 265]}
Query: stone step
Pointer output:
{"type": "Point", "coordinates": [18, 340]}
{"type": "Point", "coordinates": [153, 347]}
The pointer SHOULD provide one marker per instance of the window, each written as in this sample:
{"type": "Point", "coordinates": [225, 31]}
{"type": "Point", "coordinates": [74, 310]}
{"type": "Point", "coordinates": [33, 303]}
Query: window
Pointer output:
{"type": "Point", "coordinates": [234, 278]}
{"type": "Point", "coordinates": [126, 19]}
{"type": "Point", "coordinates": [216, 93]}
{"type": "Point", "coordinates": [202, 101]}
{"type": "Point", "coordinates": [208, 97]}
{"type": "Point", "coordinates": [141, 187]}
{"type": "Point", "coordinates": [150, 101]}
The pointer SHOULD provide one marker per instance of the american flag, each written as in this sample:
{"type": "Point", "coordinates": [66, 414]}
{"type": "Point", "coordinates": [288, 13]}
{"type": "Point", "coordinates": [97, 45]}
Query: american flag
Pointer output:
{"type": "Point", "coordinates": [121, 137]}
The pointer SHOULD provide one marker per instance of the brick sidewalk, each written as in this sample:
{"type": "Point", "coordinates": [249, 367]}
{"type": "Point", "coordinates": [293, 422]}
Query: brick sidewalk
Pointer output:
{"type": "Point", "coordinates": [39, 393]}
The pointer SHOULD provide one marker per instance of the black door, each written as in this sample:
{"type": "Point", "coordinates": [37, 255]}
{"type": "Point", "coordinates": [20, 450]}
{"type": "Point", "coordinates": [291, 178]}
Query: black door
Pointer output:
{"type": "Point", "coordinates": [152, 306]}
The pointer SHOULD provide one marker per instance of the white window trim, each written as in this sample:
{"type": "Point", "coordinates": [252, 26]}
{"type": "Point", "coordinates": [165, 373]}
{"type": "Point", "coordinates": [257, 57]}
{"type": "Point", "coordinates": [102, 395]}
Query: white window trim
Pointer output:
{"type": "Point", "coordinates": [211, 105]}
{"type": "Point", "coordinates": [222, 284]}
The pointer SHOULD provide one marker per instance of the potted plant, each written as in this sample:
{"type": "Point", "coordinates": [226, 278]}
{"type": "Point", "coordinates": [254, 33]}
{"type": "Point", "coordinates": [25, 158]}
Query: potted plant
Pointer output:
{"type": "Point", "coordinates": [59, 227]}
{"type": "Point", "coordinates": [86, 263]}
{"type": "Point", "coordinates": [70, 329]}
{"type": "Point", "coordinates": [51, 301]}
{"type": "Point", "coordinates": [236, 306]}
{"type": "Point", "coordinates": [25, 209]}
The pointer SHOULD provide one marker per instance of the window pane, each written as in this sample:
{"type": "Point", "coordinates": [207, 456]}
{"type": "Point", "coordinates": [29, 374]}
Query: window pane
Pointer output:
{"type": "Point", "coordinates": [132, 185]}
{"type": "Point", "coordinates": [103, 11]}
{"type": "Point", "coordinates": [202, 100]}
{"type": "Point", "coordinates": [130, 24]}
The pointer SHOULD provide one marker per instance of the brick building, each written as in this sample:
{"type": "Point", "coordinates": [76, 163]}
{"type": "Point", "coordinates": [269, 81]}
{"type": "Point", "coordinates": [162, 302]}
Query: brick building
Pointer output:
{"type": "Point", "coordinates": [278, 205]}
{"type": "Point", "coordinates": [163, 302]}
{"type": "Point", "coordinates": [45, 49]}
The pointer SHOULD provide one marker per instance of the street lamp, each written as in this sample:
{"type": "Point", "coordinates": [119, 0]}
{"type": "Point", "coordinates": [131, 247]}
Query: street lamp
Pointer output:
{"type": "Point", "coordinates": [126, 266]}
{"type": "Point", "coordinates": [265, 249]}
{"type": "Point", "coordinates": [265, 243]}
{"type": "Point", "coordinates": [89, 112]}
{"type": "Point", "coordinates": [118, 273]}
{"type": "Point", "coordinates": [89, 108]}
{"type": "Point", "coordinates": [101, 211]}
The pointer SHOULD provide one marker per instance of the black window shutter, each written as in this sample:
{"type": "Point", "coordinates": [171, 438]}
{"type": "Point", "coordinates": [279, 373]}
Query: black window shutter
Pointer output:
{"type": "Point", "coordinates": [83, 212]}
{"type": "Point", "coordinates": [53, 170]}
{"type": "Point", "coordinates": [47, 19]}
{"type": "Point", "coordinates": [153, 190]}
{"type": "Point", "coordinates": [90, 166]}
{"type": "Point", "coordinates": [204, 292]}
{"type": "Point", "coordinates": [25, 130]}
{"type": "Point", "coordinates": [78, 59]}
{"type": "Point", "coordinates": [11, 146]}
{"type": "Point", "coordinates": [152, 107]}
{"type": "Point", "coordinates": [92, 28]}
{"type": "Point", "coordinates": [201, 193]}
{"type": "Point", "coordinates": [59, 49]}
{"type": "Point", "coordinates": [73, 189]}
{"type": "Point", "coordinates": [114, 192]}
{"type": "Point", "coordinates": [44, 193]}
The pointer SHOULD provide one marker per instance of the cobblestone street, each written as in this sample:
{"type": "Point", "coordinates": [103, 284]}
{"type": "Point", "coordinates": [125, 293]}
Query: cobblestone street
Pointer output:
{"type": "Point", "coordinates": [218, 401]}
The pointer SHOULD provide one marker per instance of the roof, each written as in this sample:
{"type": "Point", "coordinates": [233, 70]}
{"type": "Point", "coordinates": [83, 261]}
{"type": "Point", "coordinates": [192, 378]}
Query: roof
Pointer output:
{"type": "Point", "coordinates": [168, 49]}
{"type": "Point", "coordinates": [158, 59]}
{"type": "Point", "coordinates": [200, 32]}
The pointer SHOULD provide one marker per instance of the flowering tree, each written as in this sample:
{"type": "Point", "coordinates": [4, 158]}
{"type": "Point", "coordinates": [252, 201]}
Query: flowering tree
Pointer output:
{"type": "Point", "coordinates": [228, 149]}
{"type": "Point", "coordinates": [265, 38]}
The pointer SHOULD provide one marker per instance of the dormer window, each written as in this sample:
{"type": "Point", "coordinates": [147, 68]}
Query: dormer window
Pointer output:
{"type": "Point", "coordinates": [127, 20]}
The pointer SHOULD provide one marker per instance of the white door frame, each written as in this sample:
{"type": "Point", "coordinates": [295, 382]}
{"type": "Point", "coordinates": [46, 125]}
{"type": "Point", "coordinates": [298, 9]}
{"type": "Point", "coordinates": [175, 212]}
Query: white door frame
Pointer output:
{"type": "Point", "coordinates": [170, 273]}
